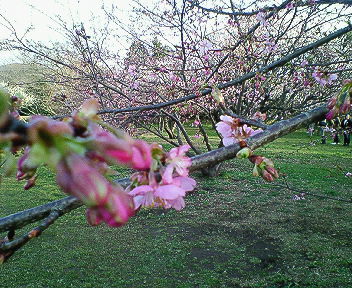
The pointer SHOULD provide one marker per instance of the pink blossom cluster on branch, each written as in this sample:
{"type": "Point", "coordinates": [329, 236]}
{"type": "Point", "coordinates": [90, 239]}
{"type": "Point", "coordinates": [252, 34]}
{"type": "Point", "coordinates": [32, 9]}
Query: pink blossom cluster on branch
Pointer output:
{"type": "Point", "coordinates": [341, 103]}
{"type": "Point", "coordinates": [233, 131]}
{"type": "Point", "coordinates": [324, 78]}
{"type": "Point", "coordinates": [166, 183]}
{"type": "Point", "coordinates": [80, 151]}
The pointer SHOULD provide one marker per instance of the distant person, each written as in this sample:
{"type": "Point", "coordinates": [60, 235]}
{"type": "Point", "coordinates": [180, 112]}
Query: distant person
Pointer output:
{"type": "Point", "coordinates": [336, 124]}
{"type": "Point", "coordinates": [323, 126]}
{"type": "Point", "coordinates": [346, 125]}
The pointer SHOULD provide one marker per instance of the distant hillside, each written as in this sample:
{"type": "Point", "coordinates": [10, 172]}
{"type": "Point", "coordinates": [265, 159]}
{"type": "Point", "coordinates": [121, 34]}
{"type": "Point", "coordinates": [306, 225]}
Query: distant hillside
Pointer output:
{"type": "Point", "coordinates": [20, 73]}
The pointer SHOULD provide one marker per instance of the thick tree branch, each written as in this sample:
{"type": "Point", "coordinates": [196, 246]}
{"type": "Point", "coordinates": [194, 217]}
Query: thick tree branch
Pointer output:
{"type": "Point", "coordinates": [21, 219]}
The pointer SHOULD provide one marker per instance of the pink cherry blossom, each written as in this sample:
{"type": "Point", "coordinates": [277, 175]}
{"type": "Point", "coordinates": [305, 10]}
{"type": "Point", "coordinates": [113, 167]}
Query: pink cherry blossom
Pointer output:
{"type": "Point", "coordinates": [304, 63]}
{"type": "Point", "coordinates": [204, 46]}
{"type": "Point", "coordinates": [224, 127]}
{"type": "Point", "coordinates": [259, 116]}
{"type": "Point", "coordinates": [290, 6]}
{"type": "Point", "coordinates": [196, 123]}
{"type": "Point", "coordinates": [173, 77]}
{"type": "Point", "coordinates": [132, 70]}
{"type": "Point", "coordinates": [232, 132]}
{"type": "Point", "coordinates": [323, 78]}
{"type": "Point", "coordinates": [157, 195]}
{"type": "Point", "coordinates": [176, 162]}
{"type": "Point", "coordinates": [261, 17]}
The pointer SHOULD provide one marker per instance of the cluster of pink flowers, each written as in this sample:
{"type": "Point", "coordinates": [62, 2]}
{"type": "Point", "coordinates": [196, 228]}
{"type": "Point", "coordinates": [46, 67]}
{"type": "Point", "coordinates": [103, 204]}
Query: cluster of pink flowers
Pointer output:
{"type": "Point", "coordinates": [270, 45]}
{"type": "Point", "coordinates": [258, 116]}
{"type": "Point", "coordinates": [205, 46]}
{"type": "Point", "coordinates": [233, 131]}
{"type": "Point", "coordinates": [261, 17]}
{"type": "Point", "coordinates": [340, 104]}
{"type": "Point", "coordinates": [80, 151]}
{"type": "Point", "coordinates": [324, 78]}
{"type": "Point", "coordinates": [166, 186]}
{"type": "Point", "coordinates": [290, 5]}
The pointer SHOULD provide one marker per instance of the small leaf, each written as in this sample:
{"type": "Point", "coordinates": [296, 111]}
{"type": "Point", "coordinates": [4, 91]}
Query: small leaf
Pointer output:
{"type": "Point", "coordinates": [217, 95]}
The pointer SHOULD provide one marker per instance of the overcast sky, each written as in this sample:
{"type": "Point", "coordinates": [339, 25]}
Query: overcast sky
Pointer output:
{"type": "Point", "coordinates": [40, 14]}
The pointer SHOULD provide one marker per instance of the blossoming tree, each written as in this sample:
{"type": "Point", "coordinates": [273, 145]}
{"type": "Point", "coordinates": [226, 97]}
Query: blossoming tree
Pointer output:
{"type": "Point", "coordinates": [243, 65]}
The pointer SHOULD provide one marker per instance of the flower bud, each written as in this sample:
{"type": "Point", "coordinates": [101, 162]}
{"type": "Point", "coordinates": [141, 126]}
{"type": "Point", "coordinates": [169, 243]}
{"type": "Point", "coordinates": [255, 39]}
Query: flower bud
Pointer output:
{"type": "Point", "coordinates": [331, 114]}
{"type": "Point", "coordinates": [42, 129]}
{"type": "Point", "coordinates": [93, 217]}
{"type": "Point", "coordinates": [346, 105]}
{"type": "Point", "coordinates": [76, 177]}
{"type": "Point", "coordinates": [244, 153]}
{"type": "Point", "coordinates": [332, 102]}
{"type": "Point", "coordinates": [256, 159]}
{"type": "Point", "coordinates": [267, 176]}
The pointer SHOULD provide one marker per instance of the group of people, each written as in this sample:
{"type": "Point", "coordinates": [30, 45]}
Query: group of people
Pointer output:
{"type": "Point", "coordinates": [336, 127]}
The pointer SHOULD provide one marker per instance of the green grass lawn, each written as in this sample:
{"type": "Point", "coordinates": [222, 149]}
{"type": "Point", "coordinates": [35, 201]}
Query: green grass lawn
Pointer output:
{"type": "Point", "coordinates": [236, 231]}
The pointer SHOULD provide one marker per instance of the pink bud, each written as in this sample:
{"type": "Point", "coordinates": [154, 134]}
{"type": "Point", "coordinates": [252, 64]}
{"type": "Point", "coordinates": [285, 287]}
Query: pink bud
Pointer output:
{"type": "Point", "coordinates": [330, 115]}
{"type": "Point", "coordinates": [346, 105]}
{"type": "Point", "coordinates": [41, 128]}
{"type": "Point", "coordinates": [256, 159]}
{"type": "Point", "coordinates": [267, 176]}
{"type": "Point", "coordinates": [93, 217]}
{"type": "Point", "coordinates": [89, 107]}
{"type": "Point", "coordinates": [141, 155]}
{"type": "Point", "coordinates": [332, 102]}
{"type": "Point", "coordinates": [30, 182]}
{"type": "Point", "coordinates": [118, 209]}
{"type": "Point", "coordinates": [76, 177]}
{"type": "Point", "coordinates": [272, 171]}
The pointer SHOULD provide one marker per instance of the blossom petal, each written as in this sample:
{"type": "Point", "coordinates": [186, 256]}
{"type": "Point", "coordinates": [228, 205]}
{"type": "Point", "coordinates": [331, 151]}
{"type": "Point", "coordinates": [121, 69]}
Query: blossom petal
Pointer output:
{"type": "Point", "coordinates": [140, 190]}
{"type": "Point", "coordinates": [186, 183]}
{"type": "Point", "coordinates": [229, 141]}
{"type": "Point", "coordinates": [169, 192]}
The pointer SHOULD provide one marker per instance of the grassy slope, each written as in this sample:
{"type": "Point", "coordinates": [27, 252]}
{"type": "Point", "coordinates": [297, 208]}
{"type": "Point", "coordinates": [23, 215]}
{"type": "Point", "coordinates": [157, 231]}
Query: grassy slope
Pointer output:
{"type": "Point", "coordinates": [17, 72]}
{"type": "Point", "coordinates": [236, 231]}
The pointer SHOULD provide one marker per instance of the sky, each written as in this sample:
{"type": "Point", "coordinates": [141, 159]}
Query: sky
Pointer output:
{"type": "Point", "coordinates": [41, 14]}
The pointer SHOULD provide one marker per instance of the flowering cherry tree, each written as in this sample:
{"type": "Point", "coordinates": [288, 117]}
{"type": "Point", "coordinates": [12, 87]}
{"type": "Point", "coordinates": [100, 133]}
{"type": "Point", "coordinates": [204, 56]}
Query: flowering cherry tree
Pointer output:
{"type": "Point", "coordinates": [235, 69]}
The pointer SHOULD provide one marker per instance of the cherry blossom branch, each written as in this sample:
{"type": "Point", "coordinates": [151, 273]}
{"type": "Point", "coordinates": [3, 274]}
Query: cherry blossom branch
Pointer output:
{"type": "Point", "coordinates": [211, 158]}
{"type": "Point", "coordinates": [279, 63]}
{"type": "Point", "coordinates": [239, 42]}
{"type": "Point", "coordinates": [35, 232]}
{"type": "Point", "coordinates": [23, 218]}
{"type": "Point", "coordinates": [270, 134]}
